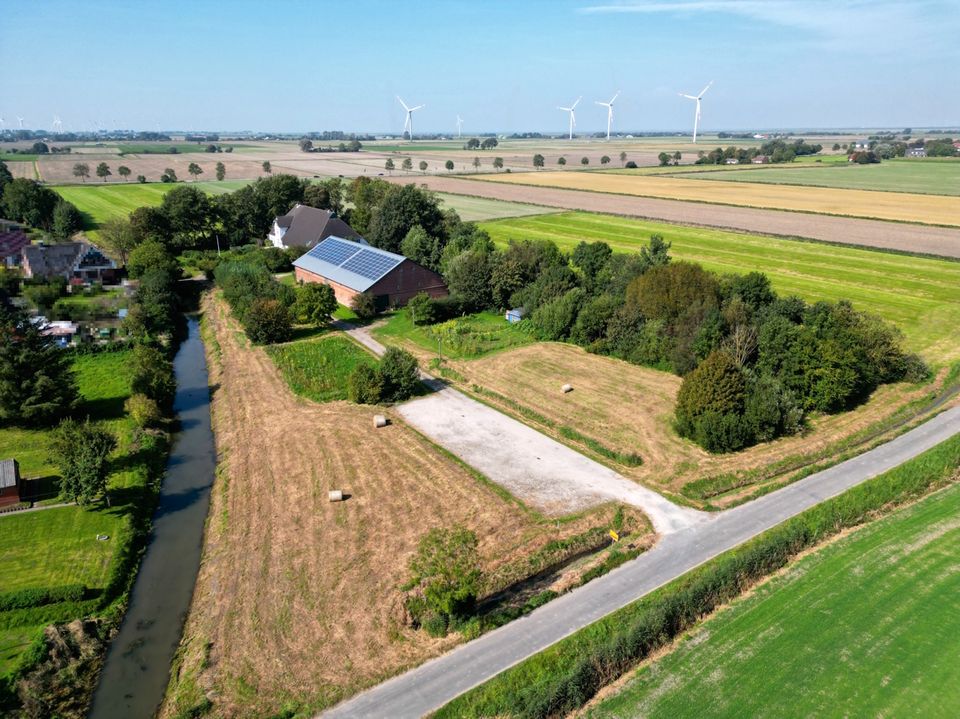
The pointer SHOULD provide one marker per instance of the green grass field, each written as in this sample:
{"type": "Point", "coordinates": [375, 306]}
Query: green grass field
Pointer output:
{"type": "Point", "coordinates": [868, 626]}
{"type": "Point", "coordinates": [478, 209]}
{"type": "Point", "coordinates": [17, 157]}
{"type": "Point", "coordinates": [920, 295]}
{"type": "Point", "coordinates": [103, 202]}
{"type": "Point", "coordinates": [921, 176]}
{"type": "Point", "coordinates": [319, 369]}
{"type": "Point", "coordinates": [460, 338]}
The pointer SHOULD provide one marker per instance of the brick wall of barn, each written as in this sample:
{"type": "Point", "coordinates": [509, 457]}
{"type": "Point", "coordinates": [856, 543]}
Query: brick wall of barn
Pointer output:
{"type": "Point", "coordinates": [407, 280]}
{"type": "Point", "coordinates": [344, 294]}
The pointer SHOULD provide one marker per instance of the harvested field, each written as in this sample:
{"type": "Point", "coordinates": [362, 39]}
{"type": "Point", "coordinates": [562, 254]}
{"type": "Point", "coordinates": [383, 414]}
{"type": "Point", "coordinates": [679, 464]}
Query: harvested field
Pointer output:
{"type": "Point", "coordinates": [630, 409]}
{"type": "Point", "coordinates": [20, 168]}
{"type": "Point", "coordinates": [898, 206]}
{"type": "Point", "coordinates": [941, 241]}
{"type": "Point", "coordinates": [297, 602]}
{"type": "Point", "coordinates": [58, 169]}
{"type": "Point", "coordinates": [920, 295]}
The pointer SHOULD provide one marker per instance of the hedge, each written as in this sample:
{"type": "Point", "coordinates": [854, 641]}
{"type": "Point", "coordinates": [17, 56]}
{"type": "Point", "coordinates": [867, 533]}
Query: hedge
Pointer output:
{"type": "Point", "coordinates": [35, 597]}
{"type": "Point", "coordinates": [564, 677]}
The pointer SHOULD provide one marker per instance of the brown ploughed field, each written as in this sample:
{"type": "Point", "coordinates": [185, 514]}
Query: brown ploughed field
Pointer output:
{"type": "Point", "coordinates": [298, 600]}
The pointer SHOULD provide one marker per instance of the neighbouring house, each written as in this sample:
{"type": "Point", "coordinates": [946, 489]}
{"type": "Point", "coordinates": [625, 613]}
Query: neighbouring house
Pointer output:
{"type": "Point", "coordinates": [306, 226]}
{"type": "Point", "coordinates": [916, 152]}
{"type": "Point", "coordinates": [70, 260]}
{"type": "Point", "coordinates": [352, 268]}
{"type": "Point", "coordinates": [956, 145]}
{"type": "Point", "coordinates": [9, 482]}
{"type": "Point", "coordinates": [761, 160]}
{"type": "Point", "coordinates": [12, 241]}
{"type": "Point", "coordinates": [861, 145]}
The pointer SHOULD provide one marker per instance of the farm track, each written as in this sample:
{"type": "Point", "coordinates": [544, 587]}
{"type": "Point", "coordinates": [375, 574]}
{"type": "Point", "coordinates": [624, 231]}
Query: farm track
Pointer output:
{"type": "Point", "coordinates": [897, 236]}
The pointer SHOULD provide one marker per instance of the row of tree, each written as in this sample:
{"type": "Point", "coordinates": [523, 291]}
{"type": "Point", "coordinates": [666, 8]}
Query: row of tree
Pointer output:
{"type": "Point", "coordinates": [27, 201]}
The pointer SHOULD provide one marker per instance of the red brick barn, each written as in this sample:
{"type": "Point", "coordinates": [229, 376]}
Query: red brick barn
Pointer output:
{"type": "Point", "coordinates": [352, 268]}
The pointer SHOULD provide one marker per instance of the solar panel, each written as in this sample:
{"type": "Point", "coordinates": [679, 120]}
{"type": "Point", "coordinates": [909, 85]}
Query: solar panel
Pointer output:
{"type": "Point", "coordinates": [370, 264]}
{"type": "Point", "coordinates": [333, 251]}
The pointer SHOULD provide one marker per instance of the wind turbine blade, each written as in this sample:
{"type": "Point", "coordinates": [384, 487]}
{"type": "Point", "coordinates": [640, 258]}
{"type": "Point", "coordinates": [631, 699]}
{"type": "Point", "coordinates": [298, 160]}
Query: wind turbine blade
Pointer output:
{"type": "Point", "coordinates": [615, 96]}
{"type": "Point", "coordinates": [689, 97]}
{"type": "Point", "coordinates": [418, 107]}
{"type": "Point", "coordinates": [704, 90]}
{"type": "Point", "coordinates": [597, 102]}
{"type": "Point", "coordinates": [577, 102]}
{"type": "Point", "coordinates": [565, 109]}
{"type": "Point", "coordinates": [403, 103]}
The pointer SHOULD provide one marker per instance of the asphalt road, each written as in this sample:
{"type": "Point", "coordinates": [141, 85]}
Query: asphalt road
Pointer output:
{"type": "Point", "coordinates": [431, 685]}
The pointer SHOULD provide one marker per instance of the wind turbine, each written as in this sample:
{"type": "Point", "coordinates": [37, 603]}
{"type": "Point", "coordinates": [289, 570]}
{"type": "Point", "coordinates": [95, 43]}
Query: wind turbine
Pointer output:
{"type": "Point", "coordinates": [20, 122]}
{"type": "Point", "coordinates": [459, 126]}
{"type": "Point", "coordinates": [609, 106]}
{"type": "Point", "coordinates": [696, 118]}
{"type": "Point", "coordinates": [408, 125]}
{"type": "Point", "coordinates": [573, 119]}
{"type": "Point", "coordinates": [2, 122]}
{"type": "Point", "coordinates": [57, 124]}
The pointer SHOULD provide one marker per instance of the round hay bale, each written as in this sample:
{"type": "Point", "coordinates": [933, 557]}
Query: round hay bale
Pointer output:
{"type": "Point", "coordinates": [379, 421]}
{"type": "Point", "coordinates": [335, 495]}
{"type": "Point", "coordinates": [566, 388]}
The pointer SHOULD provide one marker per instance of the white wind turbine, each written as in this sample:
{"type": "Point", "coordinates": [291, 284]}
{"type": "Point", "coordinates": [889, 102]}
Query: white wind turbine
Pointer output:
{"type": "Point", "coordinates": [20, 122]}
{"type": "Point", "coordinates": [2, 122]}
{"type": "Point", "coordinates": [57, 124]}
{"type": "Point", "coordinates": [408, 124]}
{"type": "Point", "coordinates": [573, 119]}
{"type": "Point", "coordinates": [609, 106]}
{"type": "Point", "coordinates": [696, 118]}
{"type": "Point", "coordinates": [459, 126]}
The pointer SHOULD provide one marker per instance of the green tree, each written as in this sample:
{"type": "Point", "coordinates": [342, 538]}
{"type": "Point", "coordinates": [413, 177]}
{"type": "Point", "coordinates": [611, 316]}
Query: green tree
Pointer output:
{"type": "Point", "coordinates": [37, 384]}
{"type": "Point", "coordinates": [266, 167]}
{"type": "Point", "coordinates": [605, 160]}
{"type": "Point", "coordinates": [195, 170]}
{"type": "Point", "coordinates": [561, 161]}
{"type": "Point", "coordinates": [446, 568]}
{"type": "Point", "coordinates": [44, 295]}
{"type": "Point", "coordinates": [153, 375]}
{"type": "Point", "coordinates": [400, 374]}
{"type": "Point", "coordinates": [123, 171]}
{"type": "Point", "coordinates": [221, 171]}
{"type": "Point", "coordinates": [315, 303]}
{"type": "Point", "coordinates": [144, 411]}
{"type": "Point", "coordinates": [149, 255]}
{"type": "Point", "coordinates": [388, 165]}
{"type": "Point", "coordinates": [714, 389]}
{"type": "Point", "coordinates": [476, 164]}
{"type": "Point", "coordinates": [103, 171]}
{"type": "Point", "coordinates": [81, 450]}
{"type": "Point", "coordinates": [401, 209]}
{"type": "Point", "coordinates": [584, 161]}
{"type": "Point", "coordinates": [81, 170]}
{"type": "Point", "coordinates": [306, 145]}
{"type": "Point", "coordinates": [623, 158]}
{"type": "Point", "coordinates": [422, 310]}
{"type": "Point", "coordinates": [664, 158]}
{"type": "Point", "coordinates": [677, 157]}
{"type": "Point", "coordinates": [267, 322]}
{"type": "Point", "coordinates": [498, 163]}
{"type": "Point", "coordinates": [407, 164]}
{"type": "Point", "coordinates": [364, 306]}
{"type": "Point", "coordinates": [67, 220]}
{"type": "Point", "coordinates": [468, 278]}
{"type": "Point", "coordinates": [422, 248]}
{"type": "Point", "coordinates": [168, 175]}
{"type": "Point", "coordinates": [423, 166]}
{"type": "Point", "coordinates": [365, 386]}
{"type": "Point", "coordinates": [142, 179]}
{"type": "Point", "coordinates": [448, 164]}
{"type": "Point", "coordinates": [538, 161]}
{"type": "Point", "coordinates": [669, 291]}
{"type": "Point", "coordinates": [189, 213]}
{"type": "Point", "coordinates": [29, 202]}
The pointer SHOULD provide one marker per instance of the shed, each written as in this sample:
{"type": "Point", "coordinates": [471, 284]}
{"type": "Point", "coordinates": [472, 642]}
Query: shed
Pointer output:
{"type": "Point", "coordinates": [352, 268]}
{"type": "Point", "coordinates": [9, 482]}
{"type": "Point", "coordinates": [515, 315]}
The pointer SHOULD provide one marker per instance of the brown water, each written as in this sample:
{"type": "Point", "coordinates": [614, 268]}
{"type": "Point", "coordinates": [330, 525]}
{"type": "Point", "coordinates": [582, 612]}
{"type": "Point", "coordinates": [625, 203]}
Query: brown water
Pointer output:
{"type": "Point", "coordinates": [137, 666]}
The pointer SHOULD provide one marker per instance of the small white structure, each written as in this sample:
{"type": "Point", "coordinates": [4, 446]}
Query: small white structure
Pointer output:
{"type": "Point", "coordinates": [335, 495]}
{"type": "Point", "coordinates": [566, 388]}
{"type": "Point", "coordinates": [379, 421]}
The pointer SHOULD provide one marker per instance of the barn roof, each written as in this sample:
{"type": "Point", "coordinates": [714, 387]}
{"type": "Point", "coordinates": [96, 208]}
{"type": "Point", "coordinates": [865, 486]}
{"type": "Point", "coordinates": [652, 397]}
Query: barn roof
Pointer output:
{"type": "Point", "coordinates": [8, 473]}
{"type": "Point", "coordinates": [351, 264]}
{"type": "Point", "coordinates": [306, 226]}
{"type": "Point", "coordinates": [12, 241]}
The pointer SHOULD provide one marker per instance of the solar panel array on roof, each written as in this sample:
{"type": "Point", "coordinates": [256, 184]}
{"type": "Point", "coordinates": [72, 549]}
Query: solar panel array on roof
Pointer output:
{"type": "Point", "coordinates": [333, 251]}
{"type": "Point", "coordinates": [370, 264]}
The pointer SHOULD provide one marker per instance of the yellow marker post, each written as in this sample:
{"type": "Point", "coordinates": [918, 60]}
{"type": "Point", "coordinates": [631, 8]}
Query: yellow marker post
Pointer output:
{"type": "Point", "coordinates": [614, 536]}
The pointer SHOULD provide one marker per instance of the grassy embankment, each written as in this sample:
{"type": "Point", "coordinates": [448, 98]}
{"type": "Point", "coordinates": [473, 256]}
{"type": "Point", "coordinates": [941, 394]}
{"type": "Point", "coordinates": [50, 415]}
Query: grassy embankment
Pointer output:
{"type": "Point", "coordinates": [920, 295]}
{"type": "Point", "coordinates": [58, 547]}
{"type": "Point", "coordinates": [565, 676]}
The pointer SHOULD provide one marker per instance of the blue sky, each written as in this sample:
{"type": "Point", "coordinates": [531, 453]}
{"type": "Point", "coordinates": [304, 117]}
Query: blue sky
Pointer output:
{"type": "Point", "coordinates": [295, 66]}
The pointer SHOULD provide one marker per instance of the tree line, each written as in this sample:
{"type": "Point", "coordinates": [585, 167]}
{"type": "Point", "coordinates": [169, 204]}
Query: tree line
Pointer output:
{"type": "Point", "coordinates": [30, 203]}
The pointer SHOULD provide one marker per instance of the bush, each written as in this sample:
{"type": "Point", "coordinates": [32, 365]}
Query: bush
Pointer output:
{"type": "Point", "coordinates": [364, 306]}
{"type": "Point", "coordinates": [365, 386]}
{"type": "Point", "coordinates": [422, 309]}
{"type": "Point", "coordinates": [153, 375]}
{"type": "Point", "coordinates": [268, 322]}
{"type": "Point", "coordinates": [446, 568]}
{"type": "Point", "coordinates": [144, 411]}
{"type": "Point", "coordinates": [39, 596]}
{"type": "Point", "coordinates": [400, 374]}
{"type": "Point", "coordinates": [150, 255]}
{"type": "Point", "coordinates": [315, 303]}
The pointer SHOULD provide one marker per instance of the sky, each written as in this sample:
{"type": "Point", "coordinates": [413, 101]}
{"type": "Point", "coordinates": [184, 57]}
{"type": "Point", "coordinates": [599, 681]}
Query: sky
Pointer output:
{"type": "Point", "coordinates": [288, 66]}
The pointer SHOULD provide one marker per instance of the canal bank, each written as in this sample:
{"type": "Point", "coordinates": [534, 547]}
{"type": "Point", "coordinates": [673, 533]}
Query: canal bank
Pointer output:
{"type": "Point", "coordinates": [137, 665]}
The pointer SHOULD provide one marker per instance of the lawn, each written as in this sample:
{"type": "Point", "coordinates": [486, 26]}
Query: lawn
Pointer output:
{"type": "Point", "coordinates": [319, 369]}
{"type": "Point", "coordinates": [461, 338]}
{"type": "Point", "coordinates": [105, 201]}
{"type": "Point", "coordinates": [867, 626]}
{"type": "Point", "coordinates": [920, 295]}
{"type": "Point", "coordinates": [920, 176]}
{"type": "Point", "coordinates": [898, 206]}
{"type": "Point", "coordinates": [477, 209]}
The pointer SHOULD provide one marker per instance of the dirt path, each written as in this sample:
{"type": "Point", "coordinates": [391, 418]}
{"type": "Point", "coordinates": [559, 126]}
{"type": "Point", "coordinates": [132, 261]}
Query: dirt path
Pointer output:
{"type": "Point", "coordinates": [940, 241]}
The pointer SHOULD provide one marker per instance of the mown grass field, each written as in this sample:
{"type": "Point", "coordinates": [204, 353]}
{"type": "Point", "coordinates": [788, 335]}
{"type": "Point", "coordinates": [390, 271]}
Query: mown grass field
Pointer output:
{"type": "Point", "coordinates": [461, 338]}
{"type": "Point", "coordinates": [478, 209]}
{"type": "Point", "coordinates": [933, 177]}
{"type": "Point", "coordinates": [868, 626]}
{"type": "Point", "coordinates": [920, 295]}
{"type": "Point", "coordinates": [319, 369]}
{"type": "Point", "coordinates": [103, 202]}
{"type": "Point", "coordinates": [898, 206]}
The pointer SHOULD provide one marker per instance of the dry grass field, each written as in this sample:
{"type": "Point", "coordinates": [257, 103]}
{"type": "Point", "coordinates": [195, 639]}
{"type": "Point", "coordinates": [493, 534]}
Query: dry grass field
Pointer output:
{"type": "Point", "coordinates": [630, 409]}
{"type": "Point", "coordinates": [898, 206]}
{"type": "Point", "coordinates": [298, 600]}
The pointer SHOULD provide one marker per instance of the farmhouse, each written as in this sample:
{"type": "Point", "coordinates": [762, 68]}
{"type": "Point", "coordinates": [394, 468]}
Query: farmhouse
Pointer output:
{"type": "Point", "coordinates": [352, 268]}
{"type": "Point", "coordinates": [70, 260]}
{"type": "Point", "coordinates": [761, 160]}
{"type": "Point", "coordinates": [11, 243]}
{"type": "Point", "coordinates": [9, 482]}
{"type": "Point", "coordinates": [305, 226]}
{"type": "Point", "coordinates": [917, 152]}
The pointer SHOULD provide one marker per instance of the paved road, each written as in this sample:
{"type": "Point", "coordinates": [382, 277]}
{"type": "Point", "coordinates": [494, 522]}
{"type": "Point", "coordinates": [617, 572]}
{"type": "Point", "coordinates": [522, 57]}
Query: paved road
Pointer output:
{"type": "Point", "coordinates": [435, 683]}
{"type": "Point", "coordinates": [927, 239]}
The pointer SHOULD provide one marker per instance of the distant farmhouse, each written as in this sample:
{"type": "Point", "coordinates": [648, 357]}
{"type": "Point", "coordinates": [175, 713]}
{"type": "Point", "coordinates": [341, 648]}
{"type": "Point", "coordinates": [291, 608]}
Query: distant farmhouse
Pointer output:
{"type": "Point", "coordinates": [917, 152]}
{"type": "Point", "coordinates": [74, 261]}
{"type": "Point", "coordinates": [306, 226]}
{"type": "Point", "coordinates": [352, 268]}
